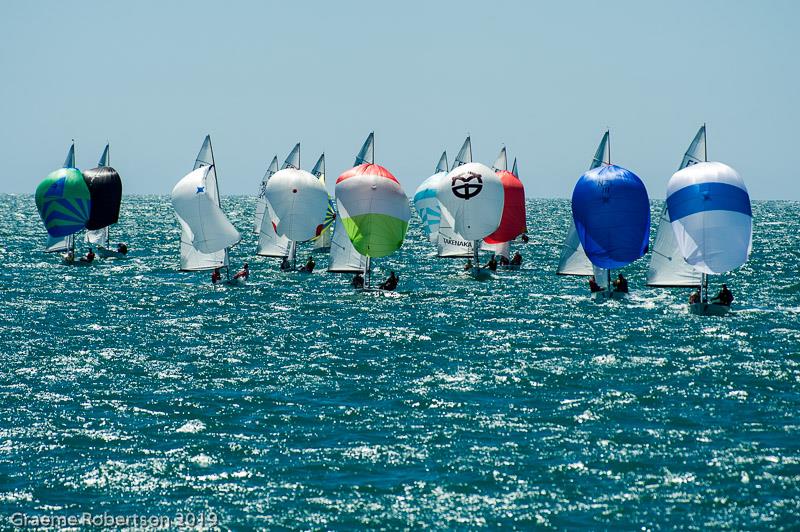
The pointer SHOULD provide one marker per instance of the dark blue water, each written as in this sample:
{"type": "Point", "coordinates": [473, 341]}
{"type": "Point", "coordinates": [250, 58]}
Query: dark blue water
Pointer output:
{"type": "Point", "coordinates": [130, 388]}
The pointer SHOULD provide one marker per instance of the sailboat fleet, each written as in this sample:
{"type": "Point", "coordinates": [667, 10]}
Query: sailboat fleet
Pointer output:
{"type": "Point", "coordinates": [704, 228]}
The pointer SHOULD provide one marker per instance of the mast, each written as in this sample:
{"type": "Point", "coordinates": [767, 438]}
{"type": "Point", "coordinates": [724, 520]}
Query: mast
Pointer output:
{"type": "Point", "coordinates": [609, 145]}
{"type": "Point", "coordinates": [219, 204]}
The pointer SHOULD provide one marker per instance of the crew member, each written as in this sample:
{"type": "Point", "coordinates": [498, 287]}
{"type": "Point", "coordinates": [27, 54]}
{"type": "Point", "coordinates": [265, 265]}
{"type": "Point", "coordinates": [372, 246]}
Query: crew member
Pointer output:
{"type": "Point", "coordinates": [390, 283]}
{"type": "Point", "coordinates": [244, 273]}
{"type": "Point", "coordinates": [621, 284]}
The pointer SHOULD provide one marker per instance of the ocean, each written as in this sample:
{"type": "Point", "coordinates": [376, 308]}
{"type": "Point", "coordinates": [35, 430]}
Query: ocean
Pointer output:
{"type": "Point", "coordinates": [129, 388]}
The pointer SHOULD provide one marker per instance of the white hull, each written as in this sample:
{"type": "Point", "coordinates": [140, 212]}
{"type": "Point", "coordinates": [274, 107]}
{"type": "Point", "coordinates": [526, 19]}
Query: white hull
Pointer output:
{"type": "Point", "coordinates": [605, 295]}
{"type": "Point", "coordinates": [708, 309]}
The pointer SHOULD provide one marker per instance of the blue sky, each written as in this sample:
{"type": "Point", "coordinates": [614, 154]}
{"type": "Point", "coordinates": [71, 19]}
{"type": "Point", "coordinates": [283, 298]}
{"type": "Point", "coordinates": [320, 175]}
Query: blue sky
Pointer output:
{"type": "Point", "coordinates": [545, 79]}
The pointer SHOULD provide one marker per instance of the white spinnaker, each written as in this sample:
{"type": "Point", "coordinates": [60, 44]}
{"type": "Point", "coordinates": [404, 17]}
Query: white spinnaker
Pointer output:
{"type": "Point", "coordinates": [667, 266]}
{"type": "Point", "coordinates": [205, 231]}
{"type": "Point", "coordinates": [261, 201]}
{"type": "Point", "coordinates": [573, 260]}
{"type": "Point", "coordinates": [450, 244]}
{"type": "Point", "coordinates": [712, 217]}
{"type": "Point", "coordinates": [343, 256]}
{"type": "Point", "coordinates": [299, 201]}
{"type": "Point", "coordinates": [472, 195]}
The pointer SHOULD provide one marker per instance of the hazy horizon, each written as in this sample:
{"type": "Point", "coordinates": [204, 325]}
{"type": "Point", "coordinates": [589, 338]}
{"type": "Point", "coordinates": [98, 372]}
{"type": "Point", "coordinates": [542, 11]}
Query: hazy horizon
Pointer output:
{"type": "Point", "coordinates": [545, 80]}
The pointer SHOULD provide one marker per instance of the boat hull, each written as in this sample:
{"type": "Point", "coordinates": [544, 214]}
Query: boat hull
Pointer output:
{"type": "Point", "coordinates": [605, 295]}
{"type": "Point", "coordinates": [708, 309]}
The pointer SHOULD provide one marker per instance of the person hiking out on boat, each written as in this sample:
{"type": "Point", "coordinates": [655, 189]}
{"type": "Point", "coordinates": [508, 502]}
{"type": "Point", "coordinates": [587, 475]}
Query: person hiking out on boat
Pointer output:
{"type": "Point", "coordinates": [492, 264]}
{"type": "Point", "coordinates": [309, 267]}
{"type": "Point", "coordinates": [286, 265]}
{"type": "Point", "coordinates": [216, 276]}
{"type": "Point", "coordinates": [593, 286]}
{"type": "Point", "coordinates": [724, 297]}
{"type": "Point", "coordinates": [516, 260]}
{"type": "Point", "coordinates": [694, 297]}
{"type": "Point", "coordinates": [358, 281]}
{"type": "Point", "coordinates": [621, 284]}
{"type": "Point", "coordinates": [244, 273]}
{"type": "Point", "coordinates": [390, 283]}
{"type": "Point", "coordinates": [504, 261]}
{"type": "Point", "coordinates": [468, 265]}
{"type": "Point", "coordinates": [122, 247]}
{"type": "Point", "coordinates": [524, 238]}
{"type": "Point", "coordinates": [89, 256]}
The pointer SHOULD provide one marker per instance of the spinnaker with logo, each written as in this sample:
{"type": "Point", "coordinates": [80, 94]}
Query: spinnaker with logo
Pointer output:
{"type": "Point", "coordinates": [573, 260]}
{"type": "Point", "coordinates": [450, 244]}
{"type": "Point", "coordinates": [472, 201]}
{"type": "Point", "coordinates": [374, 211]}
{"type": "Point", "coordinates": [105, 187]}
{"type": "Point", "coordinates": [322, 240]}
{"type": "Point", "coordinates": [206, 233]}
{"type": "Point", "coordinates": [611, 212]}
{"type": "Point", "coordinates": [667, 267]}
{"type": "Point", "coordinates": [64, 204]}
{"type": "Point", "coordinates": [512, 222]}
{"type": "Point", "coordinates": [711, 217]}
{"type": "Point", "coordinates": [298, 203]}
{"type": "Point", "coordinates": [425, 201]}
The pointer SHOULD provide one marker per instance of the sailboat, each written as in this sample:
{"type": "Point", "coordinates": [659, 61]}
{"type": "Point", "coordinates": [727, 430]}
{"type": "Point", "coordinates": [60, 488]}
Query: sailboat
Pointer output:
{"type": "Point", "coordinates": [450, 244]}
{"type": "Point", "coordinates": [344, 258]}
{"type": "Point", "coordinates": [373, 208]}
{"type": "Point", "coordinates": [512, 222]}
{"type": "Point", "coordinates": [105, 187]}
{"type": "Point", "coordinates": [611, 212]}
{"type": "Point", "coordinates": [426, 203]}
{"type": "Point", "coordinates": [711, 216]}
{"type": "Point", "coordinates": [472, 200]}
{"type": "Point", "coordinates": [64, 204]}
{"type": "Point", "coordinates": [667, 267]}
{"type": "Point", "coordinates": [322, 240]}
{"type": "Point", "coordinates": [573, 260]}
{"type": "Point", "coordinates": [298, 202]}
{"type": "Point", "coordinates": [206, 233]}
{"type": "Point", "coordinates": [269, 243]}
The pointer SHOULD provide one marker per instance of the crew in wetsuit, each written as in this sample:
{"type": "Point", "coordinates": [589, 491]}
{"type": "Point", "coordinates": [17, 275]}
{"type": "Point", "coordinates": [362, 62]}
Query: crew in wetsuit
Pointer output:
{"type": "Point", "coordinates": [122, 247]}
{"type": "Point", "coordinates": [358, 281]}
{"type": "Point", "coordinates": [621, 284]}
{"type": "Point", "coordinates": [216, 276]}
{"type": "Point", "coordinates": [492, 264]}
{"type": "Point", "coordinates": [244, 273]}
{"type": "Point", "coordinates": [516, 260]}
{"type": "Point", "coordinates": [724, 297]}
{"type": "Point", "coordinates": [468, 265]}
{"type": "Point", "coordinates": [89, 256]}
{"type": "Point", "coordinates": [309, 267]}
{"type": "Point", "coordinates": [504, 261]}
{"type": "Point", "coordinates": [286, 265]}
{"type": "Point", "coordinates": [593, 286]}
{"type": "Point", "coordinates": [390, 283]}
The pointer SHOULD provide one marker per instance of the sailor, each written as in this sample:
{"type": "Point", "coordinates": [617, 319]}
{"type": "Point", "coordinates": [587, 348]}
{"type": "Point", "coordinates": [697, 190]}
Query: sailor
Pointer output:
{"type": "Point", "coordinates": [122, 247]}
{"type": "Point", "coordinates": [358, 281]}
{"type": "Point", "coordinates": [504, 261]}
{"type": "Point", "coordinates": [89, 256]}
{"type": "Point", "coordinates": [390, 283]}
{"type": "Point", "coordinates": [621, 284]}
{"type": "Point", "coordinates": [516, 260]}
{"type": "Point", "coordinates": [724, 297]}
{"type": "Point", "coordinates": [524, 238]}
{"type": "Point", "coordinates": [492, 264]}
{"type": "Point", "coordinates": [216, 276]}
{"type": "Point", "coordinates": [69, 257]}
{"type": "Point", "coordinates": [694, 297]}
{"type": "Point", "coordinates": [286, 265]}
{"type": "Point", "coordinates": [309, 267]}
{"type": "Point", "coordinates": [468, 265]}
{"type": "Point", "coordinates": [244, 273]}
{"type": "Point", "coordinates": [593, 286]}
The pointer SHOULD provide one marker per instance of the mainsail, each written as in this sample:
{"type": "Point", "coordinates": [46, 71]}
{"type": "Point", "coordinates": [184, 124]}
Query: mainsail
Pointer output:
{"type": "Point", "coordinates": [501, 163]}
{"type": "Point", "coordinates": [514, 168]}
{"type": "Point", "coordinates": [611, 212]}
{"type": "Point", "coordinates": [269, 243]}
{"type": "Point", "coordinates": [425, 201]}
{"type": "Point", "coordinates": [69, 162]}
{"type": "Point", "coordinates": [322, 240]}
{"type": "Point", "coordinates": [206, 234]}
{"type": "Point", "coordinates": [293, 159]}
{"type": "Point", "coordinates": [367, 152]}
{"type": "Point", "coordinates": [464, 154]}
{"type": "Point", "coordinates": [711, 216]}
{"type": "Point", "coordinates": [573, 260]}
{"type": "Point", "coordinates": [261, 201]}
{"type": "Point", "coordinates": [667, 267]}
{"type": "Point", "coordinates": [343, 257]}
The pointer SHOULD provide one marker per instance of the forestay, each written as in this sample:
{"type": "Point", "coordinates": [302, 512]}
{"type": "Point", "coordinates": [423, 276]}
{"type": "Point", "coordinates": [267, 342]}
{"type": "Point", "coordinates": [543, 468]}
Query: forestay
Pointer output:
{"type": "Point", "coordinates": [711, 216]}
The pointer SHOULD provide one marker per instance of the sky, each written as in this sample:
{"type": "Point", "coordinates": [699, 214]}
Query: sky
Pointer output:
{"type": "Point", "coordinates": [543, 79]}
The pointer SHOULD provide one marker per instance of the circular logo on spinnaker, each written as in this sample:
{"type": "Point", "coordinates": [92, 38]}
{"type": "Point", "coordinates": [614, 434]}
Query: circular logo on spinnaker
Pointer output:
{"type": "Point", "coordinates": [467, 185]}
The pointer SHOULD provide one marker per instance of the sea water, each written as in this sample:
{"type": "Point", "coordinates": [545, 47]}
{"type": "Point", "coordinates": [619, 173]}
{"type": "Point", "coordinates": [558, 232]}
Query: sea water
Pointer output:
{"type": "Point", "coordinates": [130, 388]}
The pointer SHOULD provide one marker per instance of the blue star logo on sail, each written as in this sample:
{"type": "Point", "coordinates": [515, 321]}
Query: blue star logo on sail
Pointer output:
{"type": "Point", "coordinates": [201, 190]}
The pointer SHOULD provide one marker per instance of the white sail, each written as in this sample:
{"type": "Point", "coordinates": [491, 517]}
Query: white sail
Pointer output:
{"type": "Point", "coordinates": [473, 196]}
{"type": "Point", "coordinates": [464, 154]}
{"type": "Point", "coordinates": [261, 201]}
{"type": "Point", "coordinates": [270, 244]}
{"type": "Point", "coordinates": [343, 256]}
{"type": "Point", "coordinates": [69, 162]}
{"type": "Point", "coordinates": [514, 169]}
{"type": "Point", "coordinates": [667, 266]}
{"type": "Point", "coordinates": [573, 260]}
{"type": "Point", "coordinates": [501, 163]}
{"type": "Point", "coordinates": [442, 165]}
{"type": "Point", "coordinates": [299, 202]}
{"type": "Point", "coordinates": [450, 244]}
{"type": "Point", "coordinates": [367, 152]}
{"type": "Point", "coordinates": [59, 244]}
{"type": "Point", "coordinates": [322, 242]}
{"type": "Point", "coordinates": [502, 249]}
{"type": "Point", "coordinates": [98, 237]}
{"type": "Point", "coordinates": [293, 159]}
{"type": "Point", "coordinates": [105, 159]}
